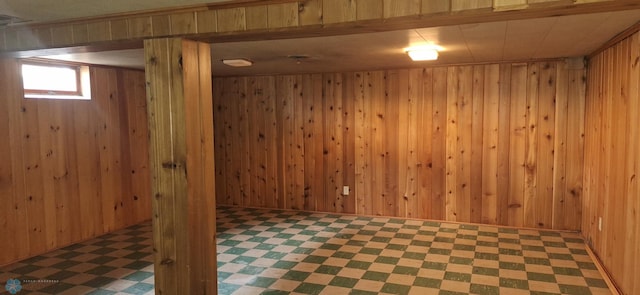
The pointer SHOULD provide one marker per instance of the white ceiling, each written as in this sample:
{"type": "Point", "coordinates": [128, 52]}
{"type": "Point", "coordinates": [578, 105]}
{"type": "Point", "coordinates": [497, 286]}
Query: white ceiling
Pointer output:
{"type": "Point", "coordinates": [518, 40]}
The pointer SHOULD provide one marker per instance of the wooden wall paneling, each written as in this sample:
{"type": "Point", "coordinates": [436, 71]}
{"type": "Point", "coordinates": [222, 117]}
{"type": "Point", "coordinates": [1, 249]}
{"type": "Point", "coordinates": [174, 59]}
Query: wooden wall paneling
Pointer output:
{"type": "Point", "coordinates": [206, 21]}
{"type": "Point", "coordinates": [430, 7]}
{"type": "Point", "coordinates": [257, 17]}
{"type": "Point", "coordinates": [546, 137]}
{"type": "Point", "coordinates": [375, 94]}
{"type": "Point", "coordinates": [220, 89]}
{"type": "Point", "coordinates": [231, 19]}
{"type": "Point", "coordinates": [560, 148]}
{"type": "Point", "coordinates": [8, 204]}
{"type": "Point", "coordinates": [490, 144]}
{"type": "Point", "coordinates": [113, 152]}
{"type": "Point", "coordinates": [12, 185]}
{"type": "Point", "coordinates": [138, 137]}
{"type": "Point", "coordinates": [98, 31]}
{"type": "Point", "coordinates": [61, 35]}
{"type": "Point", "coordinates": [89, 184]}
{"type": "Point", "coordinates": [125, 200]}
{"type": "Point", "coordinates": [575, 149]}
{"type": "Point", "coordinates": [481, 119]}
{"type": "Point", "coordinates": [337, 11]}
{"type": "Point", "coordinates": [119, 29]}
{"type": "Point", "coordinates": [605, 154]}
{"type": "Point", "coordinates": [476, 149]}
{"type": "Point", "coordinates": [58, 176]}
{"type": "Point", "coordinates": [66, 226]}
{"type": "Point", "coordinates": [282, 15]}
{"type": "Point", "coordinates": [465, 111]}
{"type": "Point", "coordinates": [243, 140]}
{"type": "Point", "coordinates": [411, 205]}
{"type": "Point", "coordinates": [632, 238]}
{"type": "Point", "coordinates": [127, 119]}
{"type": "Point", "coordinates": [234, 146]}
{"type": "Point", "coordinates": [270, 146]}
{"type": "Point", "coordinates": [372, 9]}
{"type": "Point", "coordinates": [34, 179]}
{"type": "Point", "coordinates": [259, 89]}
{"type": "Point", "coordinates": [591, 164]}
{"type": "Point", "coordinates": [310, 12]}
{"type": "Point", "coordinates": [501, 5]}
{"type": "Point", "coordinates": [504, 132]}
{"type": "Point", "coordinates": [140, 27]}
{"type": "Point", "coordinates": [531, 145]}
{"type": "Point", "coordinates": [459, 5]}
{"type": "Point", "coordinates": [183, 23]}
{"type": "Point", "coordinates": [452, 143]}
{"type": "Point", "coordinates": [362, 170]}
{"type": "Point", "coordinates": [617, 166]}
{"type": "Point", "coordinates": [459, 111]}
{"type": "Point", "coordinates": [332, 138]}
{"type": "Point", "coordinates": [396, 8]}
{"type": "Point", "coordinates": [48, 165]}
{"type": "Point", "coordinates": [311, 94]}
{"type": "Point", "coordinates": [395, 88]}
{"type": "Point", "coordinates": [517, 124]}
{"type": "Point", "coordinates": [80, 33]}
{"type": "Point", "coordinates": [439, 158]}
{"type": "Point", "coordinates": [348, 141]}
{"type": "Point", "coordinates": [422, 110]}
{"type": "Point", "coordinates": [160, 25]}
{"type": "Point", "coordinates": [284, 113]}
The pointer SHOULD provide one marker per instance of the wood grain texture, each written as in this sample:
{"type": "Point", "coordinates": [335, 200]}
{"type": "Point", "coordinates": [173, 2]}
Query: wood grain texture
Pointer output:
{"type": "Point", "coordinates": [178, 76]}
{"type": "Point", "coordinates": [448, 143]}
{"type": "Point", "coordinates": [75, 169]}
{"type": "Point", "coordinates": [611, 160]}
{"type": "Point", "coordinates": [263, 20]}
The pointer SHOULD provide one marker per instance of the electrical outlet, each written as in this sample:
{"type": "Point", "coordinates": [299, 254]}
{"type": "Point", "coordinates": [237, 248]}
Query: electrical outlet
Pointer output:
{"type": "Point", "coordinates": [345, 190]}
{"type": "Point", "coordinates": [600, 223]}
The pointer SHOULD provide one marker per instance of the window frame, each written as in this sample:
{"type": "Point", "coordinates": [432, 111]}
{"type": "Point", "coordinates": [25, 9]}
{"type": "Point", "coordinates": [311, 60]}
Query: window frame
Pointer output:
{"type": "Point", "coordinates": [82, 81]}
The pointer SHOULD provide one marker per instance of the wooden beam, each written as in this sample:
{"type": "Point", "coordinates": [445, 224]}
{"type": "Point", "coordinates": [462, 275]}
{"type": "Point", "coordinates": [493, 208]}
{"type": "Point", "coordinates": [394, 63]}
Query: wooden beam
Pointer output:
{"type": "Point", "coordinates": [179, 104]}
{"type": "Point", "coordinates": [277, 19]}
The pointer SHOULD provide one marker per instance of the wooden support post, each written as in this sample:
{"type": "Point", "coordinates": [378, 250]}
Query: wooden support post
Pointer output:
{"type": "Point", "coordinates": [180, 110]}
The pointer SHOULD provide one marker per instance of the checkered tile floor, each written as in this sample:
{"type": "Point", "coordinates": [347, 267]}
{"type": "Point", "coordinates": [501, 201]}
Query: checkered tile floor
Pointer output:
{"type": "Point", "coordinates": [264, 251]}
{"type": "Point", "coordinates": [281, 252]}
{"type": "Point", "coordinates": [116, 263]}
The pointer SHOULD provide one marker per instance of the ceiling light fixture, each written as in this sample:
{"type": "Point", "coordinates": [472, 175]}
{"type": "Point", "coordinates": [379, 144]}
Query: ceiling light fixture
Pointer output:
{"type": "Point", "coordinates": [421, 53]}
{"type": "Point", "coordinates": [237, 62]}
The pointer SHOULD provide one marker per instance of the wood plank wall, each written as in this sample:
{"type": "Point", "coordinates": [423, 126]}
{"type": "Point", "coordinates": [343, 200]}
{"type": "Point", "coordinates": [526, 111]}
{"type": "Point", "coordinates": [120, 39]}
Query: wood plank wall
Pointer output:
{"type": "Point", "coordinates": [285, 17]}
{"type": "Point", "coordinates": [612, 161]}
{"type": "Point", "coordinates": [71, 170]}
{"type": "Point", "coordinates": [491, 143]}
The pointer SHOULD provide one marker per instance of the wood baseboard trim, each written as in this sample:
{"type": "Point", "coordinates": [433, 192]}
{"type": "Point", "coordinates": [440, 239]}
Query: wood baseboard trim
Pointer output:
{"type": "Point", "coordinates": [613, 287]}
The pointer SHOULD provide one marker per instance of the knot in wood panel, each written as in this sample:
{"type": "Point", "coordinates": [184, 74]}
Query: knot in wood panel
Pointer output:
{"type": "Point", "coordinates": [167, 261]}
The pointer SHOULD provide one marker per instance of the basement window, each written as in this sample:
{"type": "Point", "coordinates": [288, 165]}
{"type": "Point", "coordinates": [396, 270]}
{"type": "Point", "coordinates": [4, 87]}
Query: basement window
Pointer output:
{"type": "Point", "coordinates": [47, 80]}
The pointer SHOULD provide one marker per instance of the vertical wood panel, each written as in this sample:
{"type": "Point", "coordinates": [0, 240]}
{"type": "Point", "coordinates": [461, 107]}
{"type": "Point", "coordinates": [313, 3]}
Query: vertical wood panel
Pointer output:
{"type": "Point", "coordinates": [518, 113]}
{"type": "Point", "coordinates": [310, 12]}
{"type": "Point", "coordinates": [490, 145]}
{"type": "Point", "coordinates": [336, 11]}
{"type": "Point", "coordinates": [610, 159]}
{"type": "Point", "coordinates": [546, 126]}
{"type": "Point", "coordinates": [451, 143]}
{"type": "Point", "coordinates": [58, 180]}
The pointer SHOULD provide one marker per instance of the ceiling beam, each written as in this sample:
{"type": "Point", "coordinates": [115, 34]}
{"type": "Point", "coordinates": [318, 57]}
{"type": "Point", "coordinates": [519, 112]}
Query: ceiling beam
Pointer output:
{"type": "Point", "coordinates": [278, 19]}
